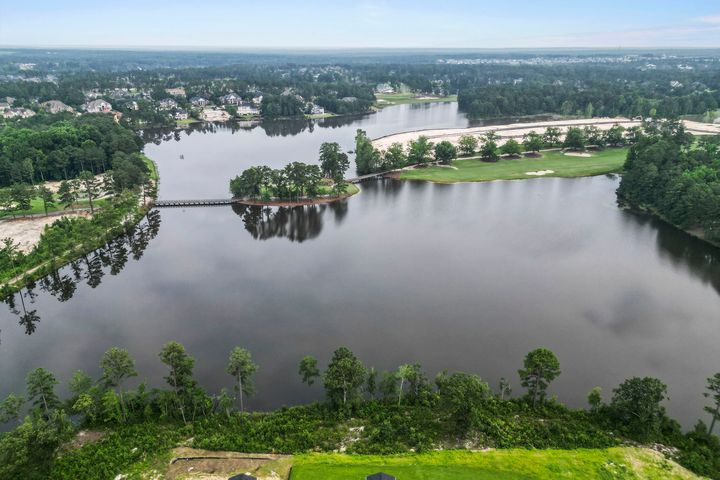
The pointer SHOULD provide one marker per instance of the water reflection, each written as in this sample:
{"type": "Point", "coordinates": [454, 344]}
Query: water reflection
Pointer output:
{"type": "Point", "coordinates": [90, 268]}
{"type": "Point", "coordinates": [296, 224]}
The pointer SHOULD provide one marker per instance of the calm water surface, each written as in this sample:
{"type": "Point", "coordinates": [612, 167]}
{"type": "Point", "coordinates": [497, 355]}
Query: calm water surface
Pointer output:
{"type": "Point", "coordinates": [467, 277]}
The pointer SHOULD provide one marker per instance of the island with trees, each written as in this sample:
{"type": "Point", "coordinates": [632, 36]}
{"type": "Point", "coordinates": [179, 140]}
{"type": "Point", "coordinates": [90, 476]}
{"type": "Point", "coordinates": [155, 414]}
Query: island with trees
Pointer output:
{"type": "Point", "coordinates": [377, 416]}
{"type": "Point", "coordinates": [297, 183]}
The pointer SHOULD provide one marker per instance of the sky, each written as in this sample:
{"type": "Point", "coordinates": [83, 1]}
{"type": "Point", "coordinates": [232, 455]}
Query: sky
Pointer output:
{"type": "Point", "coordinates": [360, 24]}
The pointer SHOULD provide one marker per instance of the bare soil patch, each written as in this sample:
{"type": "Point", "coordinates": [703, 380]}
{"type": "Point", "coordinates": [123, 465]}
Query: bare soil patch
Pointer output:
{"type": "Point", "coordinates": [27, 231]}
{"type": "Point", "coordinates": [209, 465]}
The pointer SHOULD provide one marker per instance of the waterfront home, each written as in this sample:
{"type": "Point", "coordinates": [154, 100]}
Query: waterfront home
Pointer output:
{"type": "Point", "coordinates": [167, 104]}
{"type": "Point", "coordinates": [384, 88]}
{"type": "Point", "coordinates": [181, 115]}
{"type": "Point", "coordinates": [199, 102]}
{"type": "Point", "coordinates": [245, 108]}
{"type": "Point", "coordinates": [317, 110]}
{"type": "Point", "coordinates": [231, 98]}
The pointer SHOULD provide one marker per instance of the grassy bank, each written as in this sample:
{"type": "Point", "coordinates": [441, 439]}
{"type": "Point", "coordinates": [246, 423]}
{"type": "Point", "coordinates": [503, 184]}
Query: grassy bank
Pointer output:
{"type": "Point", "coordinates": [388, 99]}
{"type": "Point", "coordinates": [562, 165]}
{"type": "Point", "coordinates": [621, 463]}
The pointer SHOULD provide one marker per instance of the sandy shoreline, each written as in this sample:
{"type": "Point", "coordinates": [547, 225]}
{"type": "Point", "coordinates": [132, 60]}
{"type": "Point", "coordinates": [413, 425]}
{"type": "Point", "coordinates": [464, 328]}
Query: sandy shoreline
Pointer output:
{"type": "Point", "coordinates": [26, 231]}
{"type": "Point", "coordinates": [518, 130]}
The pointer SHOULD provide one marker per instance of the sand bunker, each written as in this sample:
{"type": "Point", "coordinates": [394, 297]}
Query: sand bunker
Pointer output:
{"type": "Point", "coordinates": [578, 154]}
{"type": "Point", "coordinates": [540, 173]}
{"type": "Point", "coordinates": [27, 231]}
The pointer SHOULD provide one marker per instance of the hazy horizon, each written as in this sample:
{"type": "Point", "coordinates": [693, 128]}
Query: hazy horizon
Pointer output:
{"type": "Point", "coordinates": [370, 24]}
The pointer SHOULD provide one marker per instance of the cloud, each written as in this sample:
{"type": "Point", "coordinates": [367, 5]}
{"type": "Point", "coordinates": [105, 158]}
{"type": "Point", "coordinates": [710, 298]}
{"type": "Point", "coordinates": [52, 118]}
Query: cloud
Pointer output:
{"type": "Point", "coordinates": [712, 19]}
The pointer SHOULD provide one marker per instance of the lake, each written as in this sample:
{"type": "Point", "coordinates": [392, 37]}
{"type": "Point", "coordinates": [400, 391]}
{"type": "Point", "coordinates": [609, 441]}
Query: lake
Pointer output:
{"type": "Point", "coordinates": [460, 277]}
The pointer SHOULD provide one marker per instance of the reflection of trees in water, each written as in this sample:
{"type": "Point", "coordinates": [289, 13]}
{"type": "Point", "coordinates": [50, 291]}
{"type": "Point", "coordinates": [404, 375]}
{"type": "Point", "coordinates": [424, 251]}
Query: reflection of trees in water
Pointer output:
{"type": "Point", "coordinates": [90, 268]}
{"type": "Point", "coordinates": [297, 224]}
{"type": "Point", "coordinates": [683, 250]}
{"type": "Point", "coordinates": [272, 128]}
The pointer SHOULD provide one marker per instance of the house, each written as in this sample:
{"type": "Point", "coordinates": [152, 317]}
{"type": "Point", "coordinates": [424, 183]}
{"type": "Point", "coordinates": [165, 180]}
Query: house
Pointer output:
{"type": "Point", "coordinates": [231, 98]}
{"type": "Point", "coordinates": [348, 99]}
{"type": "Point", "coordinates": [214, 115]}
{"type": "Point", "coordinates": [181, 115]}
{"type": "Point", "coordinates": [246, 108]}
{"type": "Point", "coordinates": [119, 93]}
{"type": "Point", "coordinates": [675, 84]}
{"type": "Point", "coordinates": [4, 106]}
{"type": "Point", "coordinates": [56, 106]}
{"type": "Point", "coordinates": [18, 113]}
{"type": "Point", "coordinates": [132, 105]}
{"type": "Point", "coordinates": [257, 100]}
{"type": "Point", "coordinates": [316, 110]}
{"type": "Point", "coordinates": [384, 88]}
{"type": "Point", "coordinates": [199, 102]}
{"type": "Point", "coordinates": [380, 476]}
{"type": "Point", "coordinates": [167, 104]}
{"type": "Point", "coordinates": [176, 92]}
{"type": "Point", "coordinates": [98, 106]}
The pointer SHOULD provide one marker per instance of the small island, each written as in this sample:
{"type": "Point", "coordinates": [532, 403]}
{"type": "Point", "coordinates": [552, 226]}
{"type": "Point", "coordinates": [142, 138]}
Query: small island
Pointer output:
{"type": "Point", "coordinates": [297, 183]}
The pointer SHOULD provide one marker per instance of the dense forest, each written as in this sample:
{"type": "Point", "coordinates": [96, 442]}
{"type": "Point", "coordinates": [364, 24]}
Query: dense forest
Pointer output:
{"type": "Point", "coordinates": [34, 151]}
{"type": "Point", "coordinates": [401, 410]}
{"type": "Point", "coordinates": [676, 176]}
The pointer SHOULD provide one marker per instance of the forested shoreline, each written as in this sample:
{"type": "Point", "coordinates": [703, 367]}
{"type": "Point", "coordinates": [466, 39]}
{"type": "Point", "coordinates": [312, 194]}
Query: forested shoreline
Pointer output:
{"type": "Point", "coordinates": [400, 411]}
{"type": "Point", "coordinates": [676, 176]}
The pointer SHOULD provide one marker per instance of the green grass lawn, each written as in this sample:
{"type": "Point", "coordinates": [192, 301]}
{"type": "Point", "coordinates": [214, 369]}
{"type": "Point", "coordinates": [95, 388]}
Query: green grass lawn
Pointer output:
{"type": "Point", "coordinates": [614, 463]}
{"type": "Point", "coordinates": [37, 207]}
{"type": "Point", "coordinates": [387, 99]}
{"type": "Point", "coordinates": [475, 170]}
{"type": "Point", "coordinates": [187, 121]}
{"type": "Point", "coordinates": [154, 176]}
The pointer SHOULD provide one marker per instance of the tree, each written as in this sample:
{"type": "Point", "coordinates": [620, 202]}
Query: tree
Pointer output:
{"type": "Point", "coordinates": [344, 377]}
{"type": "Point", "coordinates": [394, 157]}
{"type": "Point", "coordinates": [419, 150]}
{"type": "Point", "coordinates": [180, 378]}
{"type": "Point", "coordinates": [41, 390]}
{"type": "Point", "coordinates": [10, 408]}
{"type": "Point", "coordinates": [574, 139]}
{"type": "Point", "coordinates": [22, 195]}
{"type": "Point", "coordinates": [47, 197]}
{"type": "Point", "coordinates": [615, 136]}
{"type": "Point", "coordinates": [308, 369]}
{"type": "Point", "coordinates": [461, 394]}
{"type": "Point", "coordinates": [489, 149]}
{"type": "Point", "coordinates": [371, 383]}
{"type": "Point", "coordinates": [504, 388]}
{"type": "Point", "coordinates": [533, 142]}
{"type": "Point", "coordinates": [366, 157]}
{"type": "Point", "coordinates": [90, 187]}
{"type": "Point", "coordinates": [594, 136]}
{"type": "Point", "coordinates": [333, 162]}
{"type": "Point", "coordinates": [241, 366]}
{"type": "Point", "coordinates": [468, 144]}
{"type": "Point", "coordinates": [541, 367]}
{"type": "Point", "coordinates": [445, 152]}
{"type": "Point", "coordinates": [636, 406]}
{"type": "Point", "coordinates": [713, 387]}
{"type": "Point", "coordinates": [551, 137]}
{"type": "Point", "coordinates": [80, 383]}
{"type": "Point", "coordinates": [403, 372]}
{"type": "Point", "coordinates": [117, 365]}
{"type": "Point", "coordinates": [594, 398]}
{"type": "Point", "coordinates": [67, 193]}
{"type": "Point", "coordinates": [511, 147]}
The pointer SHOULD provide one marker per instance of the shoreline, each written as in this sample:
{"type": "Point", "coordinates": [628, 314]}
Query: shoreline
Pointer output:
{"type": "Point", "coordinates": [19, 281]}
{"type": "Point", "coordinates": [296, 203]}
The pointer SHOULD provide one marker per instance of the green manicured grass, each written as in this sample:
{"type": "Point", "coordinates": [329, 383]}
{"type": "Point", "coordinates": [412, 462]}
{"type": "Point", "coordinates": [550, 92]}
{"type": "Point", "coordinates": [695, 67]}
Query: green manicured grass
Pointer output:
{"type": "Point", "coordinates": [387, 99]}
{"type": "Point", "coordinates": [37, 207]}
{"type": "Point", "coordinates": [154, 176]}
{"type": "Point", "coordinates": [613, 463]}
{"type": "Point", "coordinates": [187, 121]}
{"type": "Point", "coordinates": [476, 170]}
{"type": "Point", "coordinates": [320, 115]}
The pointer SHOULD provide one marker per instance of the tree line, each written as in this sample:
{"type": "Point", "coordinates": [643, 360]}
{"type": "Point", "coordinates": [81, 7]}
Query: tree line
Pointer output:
{"type": "Point", "coordinates": [675, 175]}
{"type": "Point", "coordinates": [454, 405]}
{"type": "Point", "coordinates": [60, 150]}
{"type": "Point", "coordinates": [422, 151]}
{"type": "Point", "coordinates": [296, 180]}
